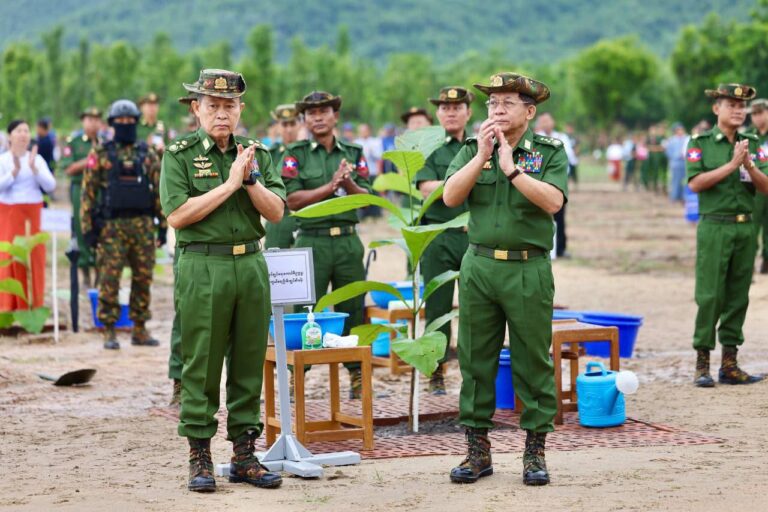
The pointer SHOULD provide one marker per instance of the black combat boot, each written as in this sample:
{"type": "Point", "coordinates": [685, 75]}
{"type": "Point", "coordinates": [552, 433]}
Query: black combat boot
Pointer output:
{"type": "Point", "coordinates": [478, 462]}
{"type": "Point", "coordinates": [176, 396]}
{"type": "Point", "coordinates": [141, 337]}
{"type": "Point", "coordinates": [200, 466]}
{"type": "Point", "coordinates": [702, 378]}
{"type": "Point", "coordinates": [110, 338]}
{"type": "Point", "coordinates": [437, 382]}
{"type": "Point", "coordinates": [534, 465]}
{"type": "Point", "coordinates": [730, 373]}
{"type": "Point", "coordinates": [355, 384]}
{"type": "Point", "coordinates": [245, 467]}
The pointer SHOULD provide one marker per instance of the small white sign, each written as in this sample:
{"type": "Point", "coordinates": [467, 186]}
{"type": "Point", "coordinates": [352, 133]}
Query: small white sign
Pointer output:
{"type": "Point", "coordinates": [55, 221]}
{"type": "Point", "coordinates": [291, 276]}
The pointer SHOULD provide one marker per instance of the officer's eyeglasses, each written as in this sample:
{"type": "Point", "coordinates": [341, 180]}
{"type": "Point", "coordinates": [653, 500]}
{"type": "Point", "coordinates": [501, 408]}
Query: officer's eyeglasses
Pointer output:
{"type": "Point", "coordinates": [493, 104]}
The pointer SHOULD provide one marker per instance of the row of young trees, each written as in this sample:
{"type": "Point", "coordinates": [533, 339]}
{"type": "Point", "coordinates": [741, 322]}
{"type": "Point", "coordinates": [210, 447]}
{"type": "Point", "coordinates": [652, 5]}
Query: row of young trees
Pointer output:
{"type": "Point", "coordinates": [613, 81]}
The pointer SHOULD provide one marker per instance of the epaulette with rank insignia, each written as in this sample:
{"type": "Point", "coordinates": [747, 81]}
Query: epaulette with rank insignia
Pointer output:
{"type": "Point", "coordinates": [247, 142]}
{"type": "Point", "coordinates": [550, 141]}
{"type": "Point", "coordinates": [750, 135]}
{"type": "Point", "coordinates": [184, 142]}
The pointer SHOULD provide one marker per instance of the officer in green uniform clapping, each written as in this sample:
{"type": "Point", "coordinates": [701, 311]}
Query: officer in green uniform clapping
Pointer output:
{"type": "Point", "coordinates": [215, 189]}
{"type": "Point", "coordinates": [725, 168]}
{"type": "Point", "coordinates": [513, 182]}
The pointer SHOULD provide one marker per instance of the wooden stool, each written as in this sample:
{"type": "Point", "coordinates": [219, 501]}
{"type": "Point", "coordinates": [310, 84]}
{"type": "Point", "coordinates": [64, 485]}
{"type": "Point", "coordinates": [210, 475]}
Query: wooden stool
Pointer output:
{"type": "Point", "coordinates": [339, 426]}
{"type": "Point", "coordinates": [395, 364]}
{"type": "Point", "coordinates": [567, 335]}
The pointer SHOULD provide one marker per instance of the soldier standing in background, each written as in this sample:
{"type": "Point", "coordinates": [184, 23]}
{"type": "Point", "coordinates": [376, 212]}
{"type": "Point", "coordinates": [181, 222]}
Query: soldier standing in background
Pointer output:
{"type": "Point", "coordinates": [759, 112]}
{"type": "Point", "coordinates": [73, 161]}
{"type": "Point", "coordinates": [447, 250]}
{"type": "Point", "coordinates": [286, 116]}
{"type": "Point", "coordinates": [150, 129]}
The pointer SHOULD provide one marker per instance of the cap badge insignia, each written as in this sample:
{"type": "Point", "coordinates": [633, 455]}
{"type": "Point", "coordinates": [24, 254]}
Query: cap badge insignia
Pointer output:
{"type": "Point", "coordinates": [220, 84]}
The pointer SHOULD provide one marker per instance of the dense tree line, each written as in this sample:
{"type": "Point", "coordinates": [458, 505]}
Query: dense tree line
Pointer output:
{"type": "Point", "coordinates": [613, 81]}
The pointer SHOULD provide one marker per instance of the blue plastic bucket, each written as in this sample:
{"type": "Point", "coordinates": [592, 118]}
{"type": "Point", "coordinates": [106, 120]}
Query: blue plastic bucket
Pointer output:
{"type": "Point", "coordinates": [505, 391]}
{"type": "Point", "coordinates": [600, 403]}
{"type": "Point", "coordinates": [380, 346]}
{"type": "Point", "coordinates": [566, 314]}
{"type": "Point", "coordinates": [329, 322]}
{"type": "Point", "coordinates": [691, 205]}
{"type": "Point", "coordinates": [628, 325]}
{"type": "Point", "coordinates": [123, 322]}
{"type": "Point", "coordinates": [382, 299]}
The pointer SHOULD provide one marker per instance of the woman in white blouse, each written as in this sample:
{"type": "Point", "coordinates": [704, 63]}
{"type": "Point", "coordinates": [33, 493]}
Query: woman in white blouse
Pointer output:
{"type": "Point", "coordinates": [23, 173]}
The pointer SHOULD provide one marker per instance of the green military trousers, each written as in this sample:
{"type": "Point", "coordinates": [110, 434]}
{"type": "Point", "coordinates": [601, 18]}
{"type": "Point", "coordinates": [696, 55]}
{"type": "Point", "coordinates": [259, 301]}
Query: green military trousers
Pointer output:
{"type": "Point", "coordinates": [761, 220]}
{"type": "Point", "coordinates": [280, 235]}
{"type": "Point", "coordinates": [224, 305]}
{"type": "Point", "coordinates": [495, 295]}
{"type": "Point", "coordinates": [175, 363]}
{"type": "Point", "coordinates": [85, 260]}
{"type": "Point", "coordinates": [338, 261]}
{"type": "Point", "coordinates": [443, 254]}
{"type": "Point", "coordinates": [725, 259]}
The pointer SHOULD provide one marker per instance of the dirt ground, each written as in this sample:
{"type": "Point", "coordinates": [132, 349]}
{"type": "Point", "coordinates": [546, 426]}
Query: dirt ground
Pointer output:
{"type": "Point", "coordinates": [98, 447]}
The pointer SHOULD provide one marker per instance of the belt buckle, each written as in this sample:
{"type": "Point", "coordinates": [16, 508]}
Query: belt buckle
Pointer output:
{"type": "Point", "coordinates": [498, 254]}
{"type": "Point", "coordinates": [238, 250]}
{"type": "Point", "coordinates": [741, 218]}
{"type": "Point", "coordinates": [524, 255]}
{"type": "Point", "coordinates": [335, 231]}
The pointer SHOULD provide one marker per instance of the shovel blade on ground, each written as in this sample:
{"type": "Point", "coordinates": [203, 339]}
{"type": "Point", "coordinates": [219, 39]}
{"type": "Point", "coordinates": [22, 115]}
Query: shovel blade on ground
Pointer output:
{"type": "Point", "coordinates": [75, 378]}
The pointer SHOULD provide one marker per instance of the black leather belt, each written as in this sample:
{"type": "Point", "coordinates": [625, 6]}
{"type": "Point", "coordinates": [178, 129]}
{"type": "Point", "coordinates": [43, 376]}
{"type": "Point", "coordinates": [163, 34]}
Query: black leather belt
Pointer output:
{"type": "Point", "coordinates": [335, 231]}
{"type": "Point", "coordinates": [499, 254]}
{"type": "Point", "coordinates": [223, 249]}
{"type": "Point", "coordinates": [728, 219]}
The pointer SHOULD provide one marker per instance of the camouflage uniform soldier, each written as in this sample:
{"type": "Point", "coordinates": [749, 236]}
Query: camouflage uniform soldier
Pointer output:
{"type": "Point", "coordinates": [73, 162]}
{"type": "Point", "coordinates": [120, 203]}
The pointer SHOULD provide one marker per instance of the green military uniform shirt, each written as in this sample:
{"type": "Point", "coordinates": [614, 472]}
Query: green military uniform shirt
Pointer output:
{"type": "Point", "coordinates": [307, 166]}
{"type": "Point", "coordinates": [144, 130]}
{"type": "Point", "coordinates": [435, 169]}
{"type": "Point", "coordinates": [501, 216]}
{"type": "Point", "coordinates": [731, 196]}
{"type": "Point", "coordinates": [76, 149]}
{"type": "Point", "coordinates": [276, 152]}
{"type": "Point", "coordinates": [192, 166]}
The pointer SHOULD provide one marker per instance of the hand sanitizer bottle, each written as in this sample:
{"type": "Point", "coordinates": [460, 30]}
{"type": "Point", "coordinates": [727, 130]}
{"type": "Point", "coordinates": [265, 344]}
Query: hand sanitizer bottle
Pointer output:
{"type": "Point", "coordinates": [311, 334]}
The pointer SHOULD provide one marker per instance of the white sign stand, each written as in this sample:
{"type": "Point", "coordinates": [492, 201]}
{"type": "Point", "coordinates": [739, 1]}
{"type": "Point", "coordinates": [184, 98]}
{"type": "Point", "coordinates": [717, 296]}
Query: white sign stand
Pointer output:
{"type": "Point", "coordinates": [54, 222]}
{"type": "Point", "coordinates": [292, 282]}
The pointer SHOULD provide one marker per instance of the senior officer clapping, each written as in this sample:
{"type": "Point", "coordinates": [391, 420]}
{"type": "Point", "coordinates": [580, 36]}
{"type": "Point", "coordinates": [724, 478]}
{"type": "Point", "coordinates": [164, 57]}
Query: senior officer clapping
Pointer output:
{"type": "Point", "coordinates": [215, 188]}
{"type": "Point", "coordinates": [513, 181]}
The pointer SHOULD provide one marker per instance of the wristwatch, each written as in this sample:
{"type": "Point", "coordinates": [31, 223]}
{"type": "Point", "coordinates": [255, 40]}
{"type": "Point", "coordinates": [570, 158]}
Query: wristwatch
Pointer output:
{"type": "Point", "coordinates": [514, 174]}
{"type": "Point", "coordinates": [252, 177]}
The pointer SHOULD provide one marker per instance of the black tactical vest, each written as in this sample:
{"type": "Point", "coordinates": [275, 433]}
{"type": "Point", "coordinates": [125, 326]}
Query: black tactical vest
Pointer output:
{"type": "Point", "coordinates": [129, 190]}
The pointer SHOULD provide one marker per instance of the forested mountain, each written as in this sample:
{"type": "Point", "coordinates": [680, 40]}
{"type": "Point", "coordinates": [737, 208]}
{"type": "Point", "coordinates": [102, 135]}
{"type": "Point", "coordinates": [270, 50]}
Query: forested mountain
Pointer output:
{"type": "Point", "coordinates": [522, 30]}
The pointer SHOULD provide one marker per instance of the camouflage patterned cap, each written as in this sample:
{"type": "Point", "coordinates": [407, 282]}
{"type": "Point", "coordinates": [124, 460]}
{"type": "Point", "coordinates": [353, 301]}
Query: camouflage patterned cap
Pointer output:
{"type": "Point", "coordinates": [317, 99]}
{"type": "Point", "coordinates": [735, 91]}
{"type": "Point", "coordinates": [149, 98]}
{"type": "Point", "coordinates": [415, 111]}
{"type": "Point", "coordinates": [219, 83]}
{"type": "Point", "coordinates": [453, 94]}
{"type": "Point", "coordinates": [512, 82]}
{"type": "Point", "coordinates": [285, 112]}
{"type": "Point", "coordinates": [90, 112]}
{"type": "Point", "coordinates": [758, 105]}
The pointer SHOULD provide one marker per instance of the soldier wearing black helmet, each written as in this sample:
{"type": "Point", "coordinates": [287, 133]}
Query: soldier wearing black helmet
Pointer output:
{"type": "Point", "coordinates": [119, 214]}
